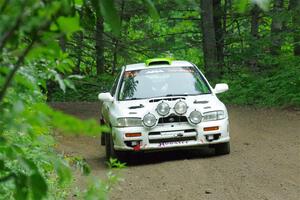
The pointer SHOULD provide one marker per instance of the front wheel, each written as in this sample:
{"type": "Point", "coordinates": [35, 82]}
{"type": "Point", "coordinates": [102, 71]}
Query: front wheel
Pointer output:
{"type": "Point", "coordinates": [109, 148]}
{"type": "Point", "coordinates": [222, 148]}
{"type": "Point", "coordinates": [103, 139]}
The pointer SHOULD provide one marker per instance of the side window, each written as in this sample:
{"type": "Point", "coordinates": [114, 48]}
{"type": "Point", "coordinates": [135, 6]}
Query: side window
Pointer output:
{"type": "Point", "coordinates": [115, 85]}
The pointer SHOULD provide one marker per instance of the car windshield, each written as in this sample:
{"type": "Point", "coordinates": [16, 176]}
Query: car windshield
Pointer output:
{"type": "Point", "coordinates": [160, 82]}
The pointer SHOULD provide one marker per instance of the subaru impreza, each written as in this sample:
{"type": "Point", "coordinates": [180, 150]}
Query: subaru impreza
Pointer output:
{"type": "Point", "coordinates": [163, 104]}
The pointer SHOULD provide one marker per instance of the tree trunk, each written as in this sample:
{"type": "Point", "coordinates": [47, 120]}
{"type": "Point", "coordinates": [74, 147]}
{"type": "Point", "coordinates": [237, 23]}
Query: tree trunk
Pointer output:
{"type": "Point", "coordinates": [225, 8]}
{"type": "Point", "coordinates": [78, 50]}
{"type": "Point", "coordinates": [254, 33]}
{"type": "Point", "coordinates": [294, 5]}
{"type": "Point", "coordinates": [218, 17]}
{"type": "Point", "coordinates": [209, 40]}
{"type": "Point", "coordinates": [254, 21]}
{"type": "Point", "coordinates": [62, 42]}
{"type": "Point", "coordinates": [99, 45]}
{"type": "Point", "coordinates": [276, 27]}
{"type": "Point", "coordinates": [115, 57]}
{"type": "Point", "coordinates": [116, 41]}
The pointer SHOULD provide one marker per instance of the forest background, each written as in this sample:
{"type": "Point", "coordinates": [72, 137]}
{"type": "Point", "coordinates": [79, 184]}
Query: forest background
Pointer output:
{"type": "Point", "coordinates": [70, 50]}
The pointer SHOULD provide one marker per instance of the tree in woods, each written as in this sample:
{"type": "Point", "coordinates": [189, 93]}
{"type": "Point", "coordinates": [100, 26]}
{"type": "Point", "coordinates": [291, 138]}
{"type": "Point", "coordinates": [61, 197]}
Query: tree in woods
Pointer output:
{"type": "Point", "coordinates": [277, 26]}
{"type": "Point", "coordinates": [210, 50]}
{"type": "Point", "coordinates": [294, 6]}
{"type": "Point", "coordinates": [99, 47]}
{"type": "Point", "coordinates": [220, 29]}
{"type": "Point", "coordinates": [255, 11]}
{"type": "Point", "coordinates": [255, 17]}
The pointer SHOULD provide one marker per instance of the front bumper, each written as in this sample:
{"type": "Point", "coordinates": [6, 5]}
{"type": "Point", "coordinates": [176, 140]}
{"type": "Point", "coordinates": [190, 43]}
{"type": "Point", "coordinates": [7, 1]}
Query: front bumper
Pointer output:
{"type": "Point", "coordinates": [171, 135]}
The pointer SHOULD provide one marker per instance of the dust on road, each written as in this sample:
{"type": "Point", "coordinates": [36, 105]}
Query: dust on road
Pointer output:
{"type": "Point", "coordinates": [264, 162]}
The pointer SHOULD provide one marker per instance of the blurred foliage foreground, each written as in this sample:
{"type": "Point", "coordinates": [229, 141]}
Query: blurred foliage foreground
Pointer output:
{"type": "Point", "coordinates": [30, 167]}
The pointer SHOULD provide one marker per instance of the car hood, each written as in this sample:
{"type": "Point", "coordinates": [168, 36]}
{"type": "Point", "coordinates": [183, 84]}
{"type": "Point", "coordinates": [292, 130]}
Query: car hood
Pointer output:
{"type": "Point", "coordinates": [138, 108]}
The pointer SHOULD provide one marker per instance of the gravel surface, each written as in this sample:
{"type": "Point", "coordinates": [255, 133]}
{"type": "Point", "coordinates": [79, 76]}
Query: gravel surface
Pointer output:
{"type": "Point", "coordinates": [264, 162]}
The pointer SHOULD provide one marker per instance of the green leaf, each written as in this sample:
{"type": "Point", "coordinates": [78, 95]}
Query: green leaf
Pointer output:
{"type": "Point", "coordinates": [69, 84]}
{"type": "Point", "coordinates": [38, 186]}
{"type": "Point", "coordinates": [2, 166]}
{"type": "Point", "coordinates": [29, 164]}
{"type": "Point", "coordinates": [151, 8]}
{"type": "Point", "coordinates": [21, 191]}
{"type": "Point", "coordinates": [69, 25]}
{"type": "Point", "coordinates": [21, 80]}
{"type": "Point", "coordinates": [71, 124]}
{"type": "Point", "coordinates": [18, 107]}
{"type": "Point", "coordinates": [59, 79]}
{"type": "Point", "coordinates": [115, 163]}
{"type": "Point", "coordinates": [83, 165]}
{"type": "Point", "coordinates": [78, 2]}
{"type": "Point", "coordinates": [110, 15]}
{"type": "Point", "coordinates": [263, 4]}
{"type": "Point", "coordinates": [86, 169]}
{"type": "Point", "coordinates": [96, 190]}
{"type": "Point", "coordinates": [75, 76]}
{"type": "Point", "coordinates": [48, 49]}
{"type": "Point", "coordinates": [63, 172]}
{"type": "Point", "coordinates": [241, 5]}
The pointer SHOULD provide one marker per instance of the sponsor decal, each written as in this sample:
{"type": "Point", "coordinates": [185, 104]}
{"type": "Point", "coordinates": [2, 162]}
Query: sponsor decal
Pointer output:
{"type": "Point", "coordinates": [164, 144]}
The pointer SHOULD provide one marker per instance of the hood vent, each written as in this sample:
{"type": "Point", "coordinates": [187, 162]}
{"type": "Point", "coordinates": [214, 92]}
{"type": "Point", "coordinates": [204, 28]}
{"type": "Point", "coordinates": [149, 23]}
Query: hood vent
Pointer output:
{"type": "Point", "coordinates": [136, 107]}
{"type": "Point", "coordinates": [166, 99]}
{"type": "Point", "coordinates": [200, 102]}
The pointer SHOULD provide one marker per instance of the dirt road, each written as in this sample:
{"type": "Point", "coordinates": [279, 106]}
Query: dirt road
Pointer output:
{"type": "Point", "coordinates": [264, 162]}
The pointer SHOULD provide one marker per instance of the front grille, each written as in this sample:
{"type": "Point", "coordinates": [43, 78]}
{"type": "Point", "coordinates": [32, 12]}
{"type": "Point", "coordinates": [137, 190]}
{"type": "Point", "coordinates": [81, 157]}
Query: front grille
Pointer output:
{"type": "Point", "coordinates": [172, 119]}
{"type": "Point", "coordinates": [173, 136]}
{"type": "Point", "coordinates": [180, 139]}
{"type": "Point", "coordinates": [158, 132]}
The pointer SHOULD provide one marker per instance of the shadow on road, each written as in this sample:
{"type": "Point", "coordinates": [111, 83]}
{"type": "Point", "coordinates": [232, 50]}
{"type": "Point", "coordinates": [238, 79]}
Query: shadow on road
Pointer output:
{"type": "Point", "coordinates": [98, 162]}
{"type": "Point", "coordinates": [134, 159]}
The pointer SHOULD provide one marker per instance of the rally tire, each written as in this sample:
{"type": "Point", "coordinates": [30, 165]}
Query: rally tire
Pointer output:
{"type": "Point", "coordinates": [109, 147]}
{"type": "Point", "coordinates": [222, 148]}
{"type": "Point", "coordinates": [103, 139]}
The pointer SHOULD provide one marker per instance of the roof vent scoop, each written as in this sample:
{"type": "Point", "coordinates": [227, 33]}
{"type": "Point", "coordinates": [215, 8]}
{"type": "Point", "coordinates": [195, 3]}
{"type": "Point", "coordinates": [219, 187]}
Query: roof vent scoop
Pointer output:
{"type": "Point", "coordinates": [159, 61]}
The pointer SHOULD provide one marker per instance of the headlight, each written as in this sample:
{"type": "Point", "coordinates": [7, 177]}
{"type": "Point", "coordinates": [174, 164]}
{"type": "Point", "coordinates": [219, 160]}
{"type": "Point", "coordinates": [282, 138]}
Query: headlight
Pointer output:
{"type": "Point", "coordinates": [129, 121]}
{"type": "Point", "coordinates": [213, 116]}
{"type": "Point", "coordinates": [195, 117]}
{"type": "Point", "coordinates": [180, 107]}
{"type": "Point", "coordinates": [163, 108]}
{"type": "Point", "coordinates": [149, 120]}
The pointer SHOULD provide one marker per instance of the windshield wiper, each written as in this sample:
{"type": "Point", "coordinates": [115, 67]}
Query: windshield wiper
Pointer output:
{"type": "Point", "coordinates": [175, 95]}
{"type": "Point", "coordinates": [205, 93]}
{"type": "Point", "coordinates": [135, 98]}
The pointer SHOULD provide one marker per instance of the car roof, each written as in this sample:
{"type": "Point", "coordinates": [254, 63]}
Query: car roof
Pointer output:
{"type": "Point", "coordinates": [174, 63]}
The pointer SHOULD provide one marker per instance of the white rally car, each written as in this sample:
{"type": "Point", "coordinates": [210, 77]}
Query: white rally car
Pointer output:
{"type": "Point", "coordinates": [163, 104]}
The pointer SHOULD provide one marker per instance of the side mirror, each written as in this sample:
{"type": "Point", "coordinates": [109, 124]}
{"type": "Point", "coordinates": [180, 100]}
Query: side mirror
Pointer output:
{"type": "Point", "coordinates": [105, 97]}
{"type": "Point", "coordinates": [220, 87]}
